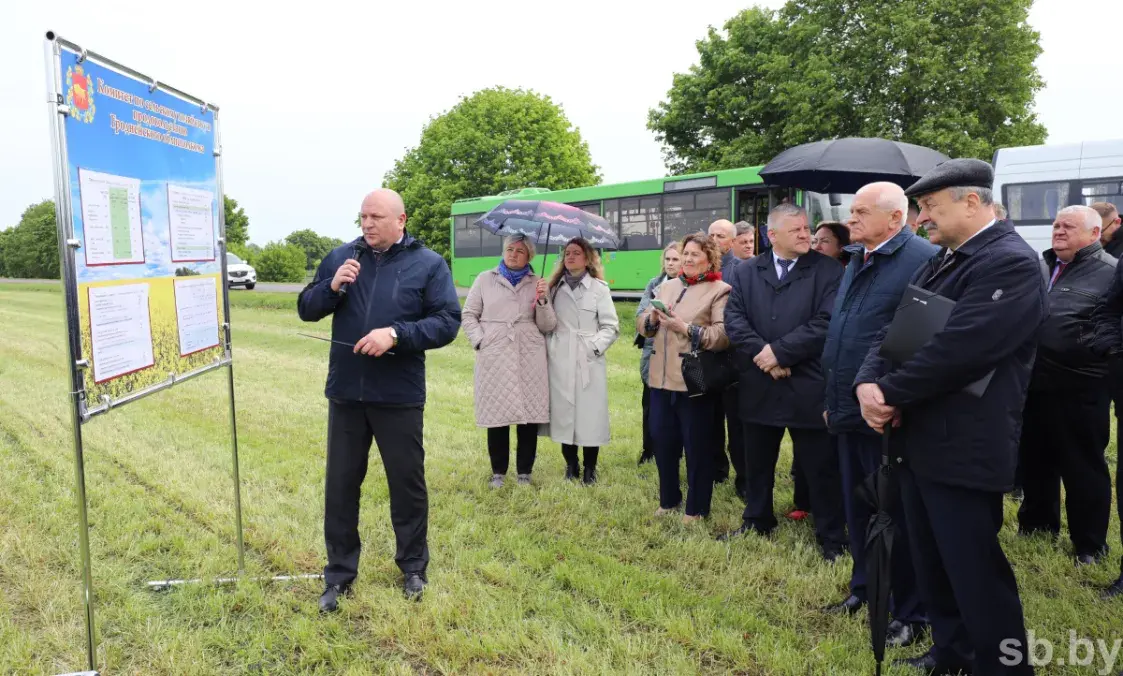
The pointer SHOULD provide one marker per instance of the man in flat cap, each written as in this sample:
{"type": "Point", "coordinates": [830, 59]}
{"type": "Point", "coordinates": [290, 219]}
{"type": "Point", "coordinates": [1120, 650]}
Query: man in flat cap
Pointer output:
{"type": "Point", "coordinates": [955, 452]}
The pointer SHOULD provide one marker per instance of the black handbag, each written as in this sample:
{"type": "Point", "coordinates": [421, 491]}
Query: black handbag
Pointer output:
{"type": "Point", "coordinates": [707, 372]}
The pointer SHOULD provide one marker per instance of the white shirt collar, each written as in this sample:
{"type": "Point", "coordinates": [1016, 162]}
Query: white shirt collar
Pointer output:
{"type": "Point", "coordinates": [776, 263]}
{"type": "Point", "coordinates": [887, 239]}
{"type": "Point", "coordinates": [992, 222]}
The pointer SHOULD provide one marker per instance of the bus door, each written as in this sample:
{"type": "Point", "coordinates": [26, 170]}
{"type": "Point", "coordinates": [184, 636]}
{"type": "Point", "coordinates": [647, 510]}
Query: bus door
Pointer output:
{"type": "Point", "coordinates": [753, 205]}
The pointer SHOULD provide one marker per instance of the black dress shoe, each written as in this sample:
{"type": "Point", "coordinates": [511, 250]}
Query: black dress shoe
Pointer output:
{"type": "Point", "coordinates": [590, 476]}
{"type": "Point", "coordinates": [850, 606]}
{"type": "Point", "coordinates": [721, 477]}
{"type": "Point", "coordinates": [1114, 591]}
{"type": "Point", "coordinates": [903, 634]}
{"type": "Point", "coordinates": [572, 473]}
{"type": "Point", "coordinates": [414, 586]}
{"type": "Point", "coordinates": [745, 529]}
{"type": "Point", "coordinates": [1085, 560]}
{"type": "Point", "coordinates": [832, 554]}
{"type": "Point", "coordinates": [930, 665]}
{"type": "Point", "coordinates": [329, 600]}
{"type": "Point", "coordinates": [646, 457]}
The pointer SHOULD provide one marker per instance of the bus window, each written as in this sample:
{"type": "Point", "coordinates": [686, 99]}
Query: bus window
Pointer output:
{"type": "Point", "coordinates": [819, 207]}
{"type": "Point", "coordinates": [1028, 203]}
{"type": "Point", "coordinates": [590, 207]}
{"type": "Point", "coordinates": [684, 213]}
{"type": "Point", "coordinates": [492, 244]}
{"type": "Point", "coordinates": [640, 223]}
{"type": "Point", "coordinates": [467, 241]}
{"type": "Point", "coordinates": [1103, 191]}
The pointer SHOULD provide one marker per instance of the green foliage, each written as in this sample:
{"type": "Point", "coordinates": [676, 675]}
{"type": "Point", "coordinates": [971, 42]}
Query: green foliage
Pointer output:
{"type": "Point", "coordinates": [185, 272]}
{"type": "Point", "coordinates": [958, 77]}
{"type": "Point", "coordinates": [279, 262]}
{"type": "Point", "coordinates": [237, 223]}
{"type": "Point", "coordinates": [30, 249]}
{"type": "Point", "coordinates": [497, 139]}
{"type": "Point", "coordinates": [4, 235]}
{"type": "Point", "coordinates": [315, 246]}
{"type": "Point", "coordinates": [248, 253]}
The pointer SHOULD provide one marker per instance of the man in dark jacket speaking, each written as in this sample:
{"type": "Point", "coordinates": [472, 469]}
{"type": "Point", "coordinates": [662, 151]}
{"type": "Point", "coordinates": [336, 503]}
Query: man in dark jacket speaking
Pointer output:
{"type": "Point", "coordinates": [391, 299]}
{"type": "Point", "coordinates": [1069, 383]}
{"type": "Point", "coordinates": [884, 255]}
{"type": "Point", "coordinates": [959, 450]}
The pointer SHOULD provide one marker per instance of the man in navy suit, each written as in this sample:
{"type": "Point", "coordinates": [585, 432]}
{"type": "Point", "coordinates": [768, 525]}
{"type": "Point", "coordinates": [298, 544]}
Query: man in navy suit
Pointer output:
{"type": "Point", "coordinates": [958, 450]}
{"type": "Point", "coordinates": [884, 255]}
{"type": "Point", "coordinates": [776, 318]}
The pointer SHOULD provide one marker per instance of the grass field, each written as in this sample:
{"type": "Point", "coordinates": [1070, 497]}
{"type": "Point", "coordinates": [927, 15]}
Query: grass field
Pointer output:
{"type": "Point", "coordinates": [549, 579]}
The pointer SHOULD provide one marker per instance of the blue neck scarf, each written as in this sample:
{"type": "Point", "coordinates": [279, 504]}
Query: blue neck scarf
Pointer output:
{"type": "Point", "coordinates": [513, 276]}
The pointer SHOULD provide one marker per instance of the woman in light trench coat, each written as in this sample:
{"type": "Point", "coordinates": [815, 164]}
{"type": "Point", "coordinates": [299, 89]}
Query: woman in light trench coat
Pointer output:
{"type": "Point", "coordinates": [582, 325]}
{"type": "Point", "coordinates": [505, 326]}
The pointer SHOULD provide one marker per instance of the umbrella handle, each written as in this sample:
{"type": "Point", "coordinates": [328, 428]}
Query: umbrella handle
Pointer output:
{"type": "Point", "coordinates": [885, 445]}
{"type": "Point", "coordinates": [545, 251]}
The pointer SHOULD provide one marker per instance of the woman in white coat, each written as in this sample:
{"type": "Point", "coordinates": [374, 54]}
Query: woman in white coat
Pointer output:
{"type": "Point", "coordinates": [578, 312]}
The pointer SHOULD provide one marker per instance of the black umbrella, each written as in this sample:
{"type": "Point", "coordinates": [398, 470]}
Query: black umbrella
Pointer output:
{"type": "Point", "coordinates": [545, 222]}
{"type": "Point", "coordinates": [845, 165]}
{"type": "Point", "coordinates": [880, 491]}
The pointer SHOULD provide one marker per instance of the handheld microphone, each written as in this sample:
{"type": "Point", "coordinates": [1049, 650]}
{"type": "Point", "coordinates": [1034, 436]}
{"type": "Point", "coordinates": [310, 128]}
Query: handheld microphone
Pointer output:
{"type": "Point", "coordinates": [357, 250]}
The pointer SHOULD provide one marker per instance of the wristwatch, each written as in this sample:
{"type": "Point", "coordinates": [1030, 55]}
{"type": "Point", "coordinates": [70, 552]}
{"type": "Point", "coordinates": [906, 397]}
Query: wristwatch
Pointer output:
{"type": "Point", "coordinates": [394, 335]}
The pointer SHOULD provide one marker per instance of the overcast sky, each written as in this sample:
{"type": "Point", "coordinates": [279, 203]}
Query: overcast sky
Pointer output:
{"type": "Point", "coordinates": [317, 103]}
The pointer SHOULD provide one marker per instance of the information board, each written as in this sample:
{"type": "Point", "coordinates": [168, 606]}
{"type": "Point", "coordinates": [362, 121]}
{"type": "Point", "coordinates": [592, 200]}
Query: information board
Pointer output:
{"type": "Point", "coordinates": [145, 196]}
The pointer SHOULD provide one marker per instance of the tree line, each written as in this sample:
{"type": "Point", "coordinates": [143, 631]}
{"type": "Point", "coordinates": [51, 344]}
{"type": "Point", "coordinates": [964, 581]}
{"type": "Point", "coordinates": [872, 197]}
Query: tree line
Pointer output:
{"type": "Point", "coordinates": [955, 76]}
{"type": "Point", "coordinates": [29, 250]}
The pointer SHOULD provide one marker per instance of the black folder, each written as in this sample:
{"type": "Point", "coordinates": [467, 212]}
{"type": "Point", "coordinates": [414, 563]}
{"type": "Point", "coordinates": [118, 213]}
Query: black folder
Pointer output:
{"type": "Point", "coordinates": [920, 315]}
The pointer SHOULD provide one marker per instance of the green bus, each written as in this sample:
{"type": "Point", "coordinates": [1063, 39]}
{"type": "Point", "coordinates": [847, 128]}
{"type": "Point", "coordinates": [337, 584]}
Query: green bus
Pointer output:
{"type": "Point", "coordinates": [645, 214]}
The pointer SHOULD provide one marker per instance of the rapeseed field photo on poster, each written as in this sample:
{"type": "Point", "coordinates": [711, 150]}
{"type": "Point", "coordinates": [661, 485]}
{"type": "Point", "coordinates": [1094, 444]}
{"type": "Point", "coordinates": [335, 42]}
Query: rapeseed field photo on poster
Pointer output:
{"type": "Point", "coordinates": [144, 190]}
{"type": "Point", "coordinates": [166, 356]}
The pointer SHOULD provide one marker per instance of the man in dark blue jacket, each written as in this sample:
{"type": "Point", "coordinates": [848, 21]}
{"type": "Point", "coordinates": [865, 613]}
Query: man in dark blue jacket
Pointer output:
{"type": "Point", "coordinates": [958, 450]}
{"type": "Point", "coordinates": [884, 255]}
{"type": "Point", "coordinates": [776, 319]}
{"type": "Point", "coordinates": [390, 299]}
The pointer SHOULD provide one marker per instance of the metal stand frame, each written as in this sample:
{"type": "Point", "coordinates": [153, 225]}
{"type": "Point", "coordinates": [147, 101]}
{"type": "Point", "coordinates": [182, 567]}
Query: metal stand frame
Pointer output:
{"type": "Point", "coordinates": [81, 413]}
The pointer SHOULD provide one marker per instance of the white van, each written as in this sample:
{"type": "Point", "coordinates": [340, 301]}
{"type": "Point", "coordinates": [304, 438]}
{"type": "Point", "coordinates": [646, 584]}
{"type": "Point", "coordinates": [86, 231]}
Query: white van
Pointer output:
{"type": "Point", "coordinates": [1034, 182]}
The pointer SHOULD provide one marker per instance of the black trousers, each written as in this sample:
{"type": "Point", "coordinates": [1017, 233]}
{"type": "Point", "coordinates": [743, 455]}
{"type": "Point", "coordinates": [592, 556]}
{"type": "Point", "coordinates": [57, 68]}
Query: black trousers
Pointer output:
{"type": "Point", "coordinates": [499, 448]}
{"type": "Point", "coordinates": [681, 423]}
{"type": "Point", "coordinates": [801, 494]}
{"type": "Point", "coordinates": [816, 456]}
{"type": "Point", "coordinates": [1071, 452]}
{"type": "Point", "coordinates": [569, 452]}
{"type": "Point", "coordinates": [1115, 386]}
{"type": "Point", "coordinates": [859, 456]}
{"type": "Point", "coordinates": [727, 416]}
{"type": "Point", "coordinates": [398, 433]}
{"type": "Point", "coordinates": [966, 583]}
{"type": "Point", "coordinates": [648, 441]}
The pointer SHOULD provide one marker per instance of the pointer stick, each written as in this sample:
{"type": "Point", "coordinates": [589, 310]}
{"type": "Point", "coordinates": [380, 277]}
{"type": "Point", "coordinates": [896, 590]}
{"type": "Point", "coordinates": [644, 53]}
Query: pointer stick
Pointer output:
{"type": "Point", "coordinates": [337, 342]}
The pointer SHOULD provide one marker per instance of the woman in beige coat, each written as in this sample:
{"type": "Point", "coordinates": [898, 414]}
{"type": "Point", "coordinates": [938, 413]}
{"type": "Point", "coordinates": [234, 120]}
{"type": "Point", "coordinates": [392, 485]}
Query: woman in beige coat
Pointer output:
{"type": "Point", "coordinates": [695, 317]}
{"type": "Point", "coordinates": [582, 322]}
{"type": "Point", "coordinates": [505, 326]}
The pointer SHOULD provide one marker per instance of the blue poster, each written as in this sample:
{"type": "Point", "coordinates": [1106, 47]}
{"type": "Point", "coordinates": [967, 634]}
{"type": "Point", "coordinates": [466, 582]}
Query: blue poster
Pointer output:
{"type": "Point", "coordinates": [142, 179]}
